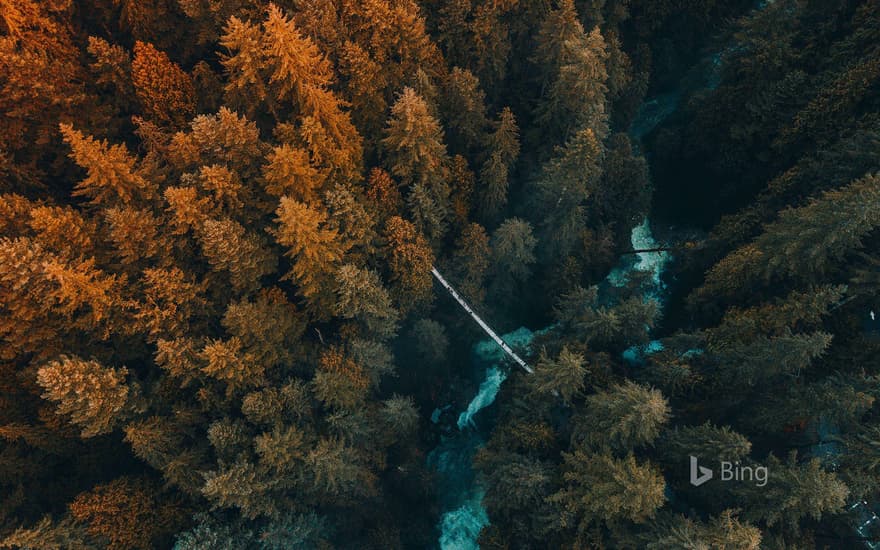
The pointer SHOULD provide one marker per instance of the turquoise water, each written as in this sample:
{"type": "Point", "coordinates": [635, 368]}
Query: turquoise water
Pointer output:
{"type": "Point", "coordinates": [460, 492]}
{"type": "Point", "coordinates": [459, 489]}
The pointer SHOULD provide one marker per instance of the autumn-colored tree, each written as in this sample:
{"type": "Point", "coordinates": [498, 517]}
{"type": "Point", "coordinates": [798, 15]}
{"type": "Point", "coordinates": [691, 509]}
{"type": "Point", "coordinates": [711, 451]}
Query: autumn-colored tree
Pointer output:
{"type": "Point", "coordinates": [165, 91]}
{"type": "Point", "coordinates": [230, 247]}
{"type": "Point", "coordinates": [127, 513]}
{"type": "Point", "coordinates": [315, 249]}
{"type": "Point", "coordinates": [361, 296]}
{"type": "Point", "coordinates": [563, 376]}
{"type": "Point", "coordinates": [93, 396]}
{"type": "Point", "coordinates": [414, 143]}
{"type": "Point", "coordinates": [340, 382]}
{"type": "Point", "coordinates": [382, 191]}
{"type": "Point", "coordinates": [410, 260]}
{"type": "Point", "coordinates": [290, 172]}
{"type": "Point", "coordinates": [113, 178]}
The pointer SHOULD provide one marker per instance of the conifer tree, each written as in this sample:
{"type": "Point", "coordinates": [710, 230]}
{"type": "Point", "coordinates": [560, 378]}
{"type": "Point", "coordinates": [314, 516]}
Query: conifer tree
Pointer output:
{"type": "Point", "coordinates": [250, 322]}
{"type": "Point", "coordinates": [360, 295]}
{"type": "Point", "coordinates": [165, 91]}
{"type": "Point", "coordinates": [802, 244]}
{"type": "Point", "coordinates": [725, 532]}
{"type": "Point", "coordinates": [384, 195]}
{"type": "Point", "coordinates": [410, 260]}
{"type": "Point", "coordinates": [566, 182]}
{"type": "Point", "coordinates": [503, 150]}
{"type": "Point", "coordinates": [563, 375]}
{"type": "Point", "coordinates": [230, 247]}
{"type": "Point", "coordinates": [574, 75]}
{"type": "Point", "coordinates": [62, 230]}
{"type": "Point", "coordinates": [315, 249]}
{"type": "Point", "coordinates": [513, 252]}
{"type": "Point", "coordinates": [113, 178]}
{"type": "Point", "coordinates": [227, 361]}
{"type": "Point", "coordinates": [625, 416]}
{"type": "Point", "coordinates": [470, 262]}
{"type": "Point", "coordinates": [414, 142]}
{"type": "Point", "coordinates": [793, 491]}
{"type": "Point", "coordinates": [464, 110]}
{"type": "Point", "coordinates": [94, 396]}
{"type": "Point", "coordinates": [172, 301]}
{"type": "Point", "coordinates": [289, 172]}
{"type": "Point", "coordinates": [602, 489]}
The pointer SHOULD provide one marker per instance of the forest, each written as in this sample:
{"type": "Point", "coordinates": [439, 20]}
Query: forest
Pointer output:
{"type": "Point", "coordinates": [219, 328]}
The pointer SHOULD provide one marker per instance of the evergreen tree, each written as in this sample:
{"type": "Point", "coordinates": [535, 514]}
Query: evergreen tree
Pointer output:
{"type": "Point", "coordinates": [566, 182]}
{"type": "Point", "coordinates": [573, 75]}
{"type": "Point", "coordinates": [315, 249]}
{"type": "Point", "coordinates": [414, 143]}
{"type": "Point", "coordinates": [93, 396]}
{"type": "Point", "coordinates": [410, 261]}
{"type": "Point", "coordinates": [601, 489]}
{"type": "Point", "coordinates": [625, 416]}
{"type": "Point", "coordinates": [165, 91]}
{"type": "Point", "coordinates": [503, 150]}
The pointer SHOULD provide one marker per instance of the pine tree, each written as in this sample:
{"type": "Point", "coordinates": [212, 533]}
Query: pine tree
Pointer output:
{"type": "Point", "coordinates": [492, 40]}
{"type": "Point", "coordinates": [599, 488]}
{"type": "Point", "coordinates": [154, 440]}
{"type": "Point", "coordinates": [239, 485]}
{"type": "Point", "coordinates": [172, 300]}
{"type": "Point", "coordinates": [565, 183]}
{"type": "Point", "coordinates": [430, 342]}
{"type": "Point", "coordinates": [315, 249]}
{"type": "Point", "coordinates": [503, 150]}
{"type": "Point", "coordinates": [365, 83]}
{"type": "Point", "coordinates": [269, 326]}
{"type": "Point", "coordinates": [64, 534]}
{"type": "Point", "coordinates": [350, 216]}
{"type": "Point", "coordinates": [793, 491]}
{"type": "Point", "coordinates": [95, 397]}
{"type": "Point", "coordinates": [574, 75]}
{"type": "Point", "coordinates": [563, 376]}
{"type": "Point", "coordinates": [230, 247]}
{"type": "Point", "coordinates": [724, 532]}
{"type": "Point", "coordinates": [62, 230]}
{"type": "Point", "coordinates": [246, 86]}
{"type": "Point", "coordinates": [513, 252]}
{"type": "Point", "coordinates": [165, 91]}
{"type": "Point", "coordinates": [336, 470]}
{"type": "Point", "coordinates": [225, 188]}
{"type": "Point", "coordinates": [339, 382]}
{"type": "Point", "coordinates": [400, 417]}
{"type": "Point", "coordinates": [802, 245]}
{"type": "Point", "coordinates": [384, 195]}
{"type": "Point", "coordinates": [135, 233]}
{"type": "Point", "coordinates": [414, 142]}
{"type": "Point", "coordinates": [706, 442]}
{"type": "Point", "coordinates": [464, 110]}
{"type": "Point", "coordinates": [625, 416]}
{"type": "Point", "coordinates": [289, 172]}
{"type": "Point", "coordinates": [227, 361]}
{"type": "Point", "coordinates": [113, 178]}
{"type": "Point", "coordinates": [470, 262]}
{"type": "Point", "coordinates": [361, 295]}
{"type": "Point", "coordinates": [410, 260]}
